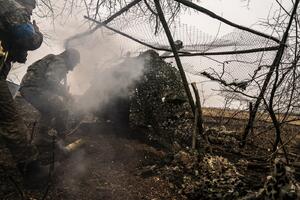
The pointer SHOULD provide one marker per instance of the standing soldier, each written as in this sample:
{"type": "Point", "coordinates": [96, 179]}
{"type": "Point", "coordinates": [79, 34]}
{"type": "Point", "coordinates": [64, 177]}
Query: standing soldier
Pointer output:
{"type": "Point", "coordinates": [17, 35]}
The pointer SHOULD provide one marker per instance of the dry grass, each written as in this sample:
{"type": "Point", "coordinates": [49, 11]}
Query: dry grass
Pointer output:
{"type": "Point", "coordinates": [243, 115]}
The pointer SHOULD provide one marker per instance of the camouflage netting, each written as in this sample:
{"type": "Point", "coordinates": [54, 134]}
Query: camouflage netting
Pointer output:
{"type": "Point", "coordinates": [159, 107]}
{"type": "Point", "coordinates": [195, 176]}
{"type": "Point", "coordinates": [280, 185]}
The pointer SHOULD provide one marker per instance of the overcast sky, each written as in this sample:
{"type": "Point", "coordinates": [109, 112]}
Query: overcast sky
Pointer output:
{"type": "Point", "coordinates": [234, 10]}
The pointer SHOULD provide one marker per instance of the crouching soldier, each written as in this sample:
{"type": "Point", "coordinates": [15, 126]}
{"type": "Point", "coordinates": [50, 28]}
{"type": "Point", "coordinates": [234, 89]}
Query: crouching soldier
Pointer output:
{"type": "Point", "coordinates": [42, 87]}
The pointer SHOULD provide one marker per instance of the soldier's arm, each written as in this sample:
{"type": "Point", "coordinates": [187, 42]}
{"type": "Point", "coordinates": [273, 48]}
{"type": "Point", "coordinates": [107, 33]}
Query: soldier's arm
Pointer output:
{"type": "Point", "coordinates": [25, 34]}
{"type": "Point", "coordinates": [55, 73]}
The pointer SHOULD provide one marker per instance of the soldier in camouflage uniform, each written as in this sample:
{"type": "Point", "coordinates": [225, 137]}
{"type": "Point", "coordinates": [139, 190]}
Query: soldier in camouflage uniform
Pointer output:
{"type": "Point", "coordinates": [17, 36]}
{"type": "Point", "coordinates": [17, 33]}
{"type": "Point", "coordinates": [42, 87]}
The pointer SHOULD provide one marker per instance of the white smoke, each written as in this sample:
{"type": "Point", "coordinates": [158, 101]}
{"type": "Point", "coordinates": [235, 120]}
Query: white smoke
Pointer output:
{"type": "Point", "coordinates": [109, 82]}
{"type": "Point", "coordinates": [103, 73]}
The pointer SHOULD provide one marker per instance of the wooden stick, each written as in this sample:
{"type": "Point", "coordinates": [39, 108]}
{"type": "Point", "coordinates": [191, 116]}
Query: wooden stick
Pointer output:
{"type": "Point", "coordinates": [198, 107]}
{"type": "Point", "coordinates": [121, 11]}
{"type": "Point", "coordinates": [250, 111]}
{"type": "Point", "coordinates": [199, 118]}
{"type": "Point", "coordinates": [194, 138]}
{"type": "Point", "coordinates": [132, 38]}
{"type": "Point", "coordinates": [215, 16]}
{"type": "Point", "coordinates": [183, 53]}
{"type": "Point", "coordinates": [177, 59]}
{"type": "Point", "coordinates": [217, 53]}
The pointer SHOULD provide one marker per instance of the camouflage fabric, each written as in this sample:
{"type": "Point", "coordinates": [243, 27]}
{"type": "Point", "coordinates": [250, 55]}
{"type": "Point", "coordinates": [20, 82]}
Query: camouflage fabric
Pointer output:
{"type": "Point", "coordinates": [41, 87]}
{"type": "Point", "coordinates": [13, 131]}
{"type": "Point", "coordinates": [6, 66]}
{"type": "Point", "coordinates": [15, 147]}
{"type": "Point", "coordinates": [13, 14]}
{"type": "Point", "coordinates": [46, 75]}
{"type": "Point", "coordinates": [159, 108]}
{"type": "Point", "coordinates": [52, 109]}
{"type": "Point", "coordinates": [29, 114]}
{"type": "Point", "coordinates": [9, 174]}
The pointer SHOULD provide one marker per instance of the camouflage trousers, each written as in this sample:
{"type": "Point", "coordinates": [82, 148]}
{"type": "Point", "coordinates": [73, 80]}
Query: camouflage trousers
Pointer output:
{"type": "Point", "coordinates": [53, 112]}
{"type": "Point", "coordinates": [10, 176]}
{"type": "Point", "coordinates": [14, 144]}
{"type": "Point", "coordinates": [13, 131]}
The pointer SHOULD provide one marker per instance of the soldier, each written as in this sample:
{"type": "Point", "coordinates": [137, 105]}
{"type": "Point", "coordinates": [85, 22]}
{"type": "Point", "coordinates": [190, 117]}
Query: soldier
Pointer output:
{"type": "Point", "coordinates": [41, 86]}
{"type": "Point", "coordinates": [17, 33]}
{"type": "Point", "coordinates": [17, 36]}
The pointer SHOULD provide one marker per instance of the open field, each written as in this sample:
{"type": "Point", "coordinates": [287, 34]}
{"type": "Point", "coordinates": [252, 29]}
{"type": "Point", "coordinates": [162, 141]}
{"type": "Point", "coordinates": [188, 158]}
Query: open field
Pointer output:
{"type": "Point", "coordinates": [243, 115]}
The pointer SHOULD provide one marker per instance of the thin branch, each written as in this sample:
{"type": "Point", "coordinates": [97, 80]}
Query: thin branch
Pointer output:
{"type": "Point", "coordinates": [215, 16]}
{"type": "Point", "coordinates": [120, 12]}
{"type": "Point", "coordinates": [273, 48]}
{"type": "Point", "coordinates": [175, 52]}
{"type": "Point", "coordinates": [275, 63]}
{"type": "Point", "coordinates": [132, 38]}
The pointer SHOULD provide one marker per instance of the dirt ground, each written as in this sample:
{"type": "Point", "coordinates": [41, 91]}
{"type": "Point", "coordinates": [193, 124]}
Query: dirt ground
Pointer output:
{"type": "Point", "coordinates": [107, 168]}
{"type": "Point", "coordinates": [113, 165]}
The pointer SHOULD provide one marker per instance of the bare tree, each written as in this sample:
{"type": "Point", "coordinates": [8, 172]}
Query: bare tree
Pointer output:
{"type": "Point", "coordinates": [276, 80]}
{"type": "Point", "coordinates": [277, 83]}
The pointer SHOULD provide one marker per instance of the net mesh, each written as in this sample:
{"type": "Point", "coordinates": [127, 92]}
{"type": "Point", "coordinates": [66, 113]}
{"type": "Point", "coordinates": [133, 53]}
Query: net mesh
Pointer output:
{"type": "Point", "coordinates": [231, 67]}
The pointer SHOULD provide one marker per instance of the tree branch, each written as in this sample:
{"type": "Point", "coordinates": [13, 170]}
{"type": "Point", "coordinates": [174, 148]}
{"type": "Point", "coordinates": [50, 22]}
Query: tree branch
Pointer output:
{"type": "Point", "coordinates": [275, 63]}
{"type": "Point", "coordinates": [215, 16]}
{"type": "Point", "coordinates": [120, 12]}
{"type": "Point", "coordinates": [273, 48]}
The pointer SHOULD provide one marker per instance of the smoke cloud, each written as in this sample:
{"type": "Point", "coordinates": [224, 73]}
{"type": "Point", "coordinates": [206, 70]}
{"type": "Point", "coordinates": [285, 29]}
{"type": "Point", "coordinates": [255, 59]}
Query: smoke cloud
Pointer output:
{"type": "Point", "coordinates": [104, 73]}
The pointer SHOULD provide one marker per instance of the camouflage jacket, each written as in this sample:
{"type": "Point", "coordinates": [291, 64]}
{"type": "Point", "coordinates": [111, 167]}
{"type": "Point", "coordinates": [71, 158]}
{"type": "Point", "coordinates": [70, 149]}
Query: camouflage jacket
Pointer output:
{"type": "Point", "coordinates": [6, 66]}
{"type": "Point", "coordinates": [13, 14]}
{"type": "Point", "coordinates": [47, 74]}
